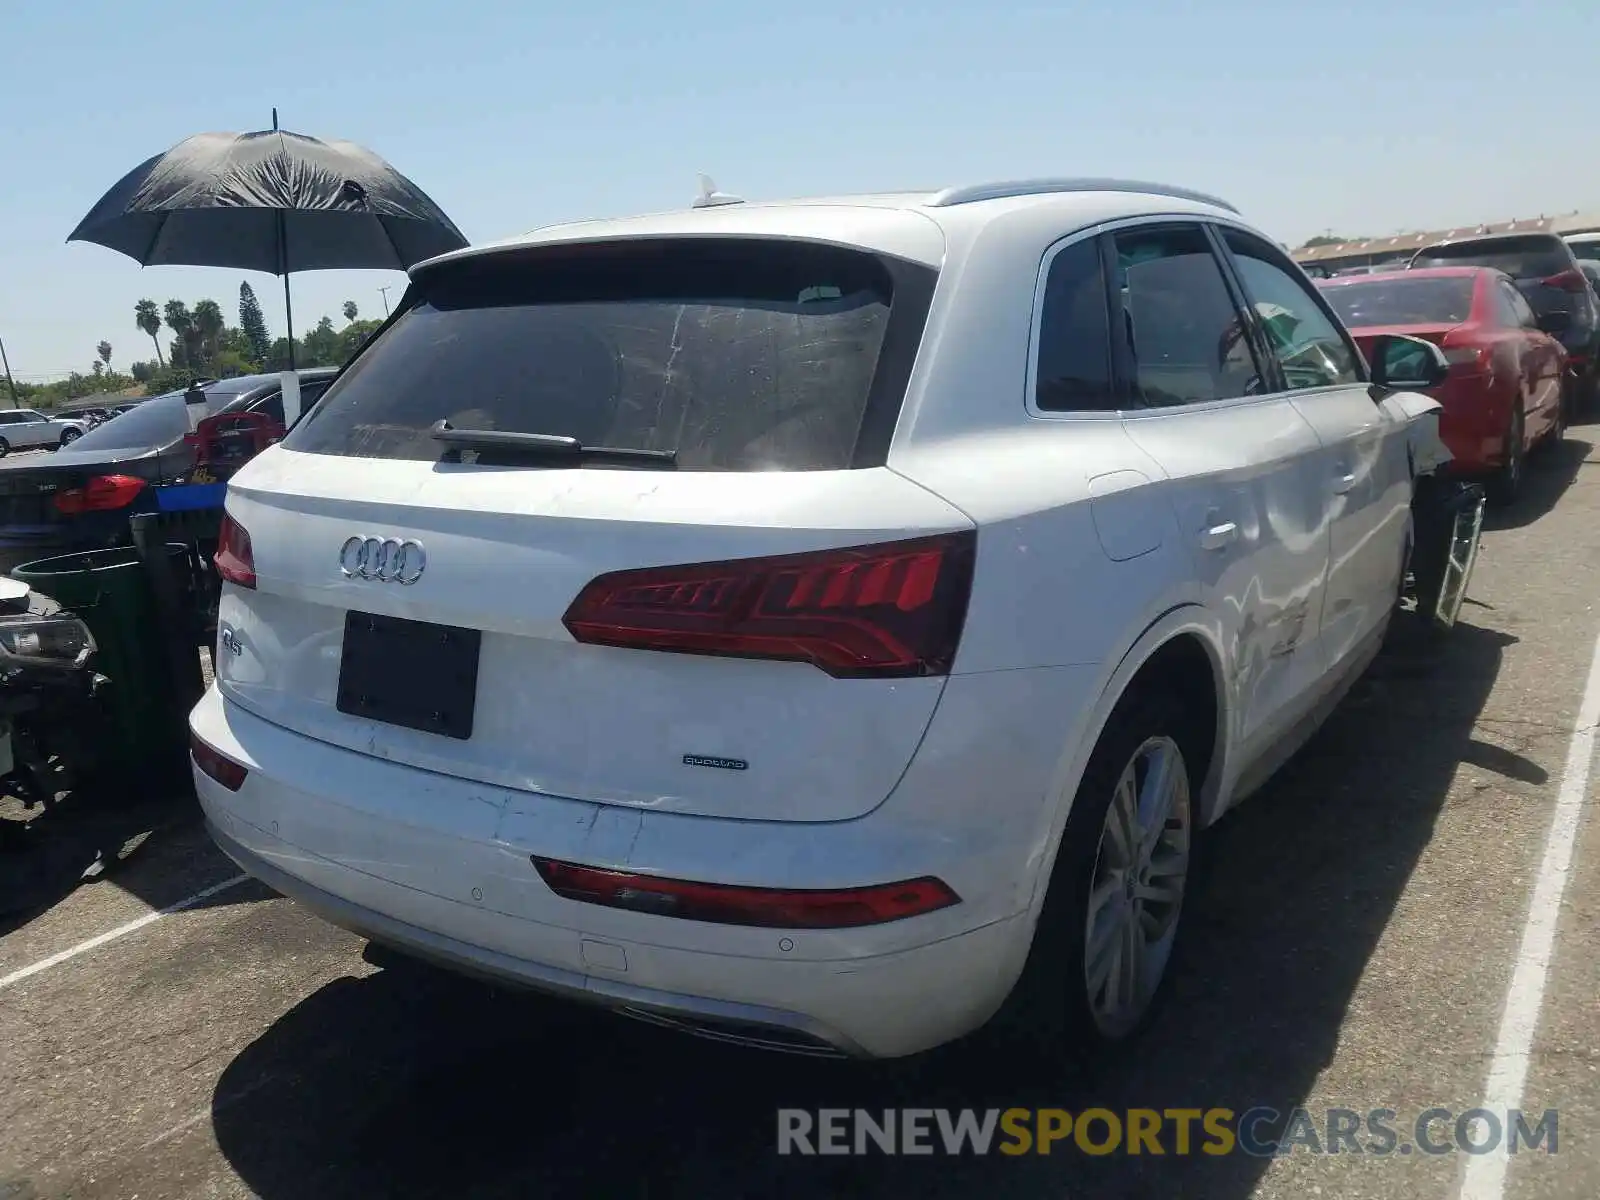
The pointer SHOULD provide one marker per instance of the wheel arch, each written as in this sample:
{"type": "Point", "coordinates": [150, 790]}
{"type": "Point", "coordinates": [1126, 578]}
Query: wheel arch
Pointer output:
{"type": "Point", "coordinates": [1187, 640]}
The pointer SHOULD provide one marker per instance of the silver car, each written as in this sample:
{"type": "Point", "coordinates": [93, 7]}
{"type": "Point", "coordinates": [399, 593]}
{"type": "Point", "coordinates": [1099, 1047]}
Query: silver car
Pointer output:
{"type": "Point", "coordinates": [25, 429]}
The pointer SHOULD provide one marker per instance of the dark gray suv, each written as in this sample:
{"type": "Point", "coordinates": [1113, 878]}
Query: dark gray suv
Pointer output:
{"type": "Point", "coordinates": [1546, 272]}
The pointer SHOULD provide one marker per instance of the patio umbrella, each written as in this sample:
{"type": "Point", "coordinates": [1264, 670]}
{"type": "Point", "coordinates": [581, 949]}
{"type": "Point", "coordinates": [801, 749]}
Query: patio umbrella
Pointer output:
{"type": "Point", "coordinates": [269, 201]}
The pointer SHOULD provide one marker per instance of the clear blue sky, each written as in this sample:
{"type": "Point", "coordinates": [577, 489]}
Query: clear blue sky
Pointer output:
{"type": "Point", "coordinates": [1362, 116]}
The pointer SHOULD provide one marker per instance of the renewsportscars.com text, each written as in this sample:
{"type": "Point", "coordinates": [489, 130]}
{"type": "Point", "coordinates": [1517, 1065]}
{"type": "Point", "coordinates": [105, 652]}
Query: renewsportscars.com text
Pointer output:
{"type": "Point", "coordinates": [1262, 1131]}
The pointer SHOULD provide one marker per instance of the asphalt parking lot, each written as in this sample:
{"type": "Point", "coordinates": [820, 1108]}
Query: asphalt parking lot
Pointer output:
{"type": "Point", "coordinates": [1352, 946]}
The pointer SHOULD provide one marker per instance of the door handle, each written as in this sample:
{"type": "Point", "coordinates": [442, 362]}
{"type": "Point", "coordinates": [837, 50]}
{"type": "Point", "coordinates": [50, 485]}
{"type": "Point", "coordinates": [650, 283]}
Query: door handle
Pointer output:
{"type": "Point", "coordinates": [1343, 482]}
{"type": "Point", "coordinates": [1215, 537]}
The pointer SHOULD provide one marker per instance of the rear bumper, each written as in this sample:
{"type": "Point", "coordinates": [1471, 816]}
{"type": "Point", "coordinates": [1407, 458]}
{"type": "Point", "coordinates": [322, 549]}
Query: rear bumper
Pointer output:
{"type": "Point", "coordinates": [440, 867]}
{"type": "Point", "coordinates": [748, 1024]}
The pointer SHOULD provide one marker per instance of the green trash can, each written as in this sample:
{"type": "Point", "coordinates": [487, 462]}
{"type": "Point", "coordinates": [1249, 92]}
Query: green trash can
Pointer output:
{"type": "Point", "coordinates": [147, 717]}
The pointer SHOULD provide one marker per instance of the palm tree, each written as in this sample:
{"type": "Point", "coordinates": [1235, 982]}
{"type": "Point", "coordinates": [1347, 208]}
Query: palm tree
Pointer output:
{"type": "Point", "coordinates": [350, 310]}
{"type": "Point", "coordinates": [182, 324]}
{"type": "Point", "coordinates": [148, 318]}
{"type": "Point", "coordinates": [208, 327]}
{"type": "Point", "coordinates": [104, 351]}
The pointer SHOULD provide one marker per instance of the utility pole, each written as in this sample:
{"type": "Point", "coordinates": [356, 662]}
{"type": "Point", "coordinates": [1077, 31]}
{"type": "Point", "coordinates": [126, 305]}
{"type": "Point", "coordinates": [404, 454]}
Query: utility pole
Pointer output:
{"type": "Point", "coordinates": [11, 384]}
{"type": "Point", "coordinates": [384, 292]}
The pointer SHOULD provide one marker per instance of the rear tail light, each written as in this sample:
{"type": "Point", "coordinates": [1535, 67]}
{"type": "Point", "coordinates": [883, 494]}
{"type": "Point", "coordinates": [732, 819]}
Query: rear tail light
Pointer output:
{"type": "Point", "coordinates": [724, 904]}
{"type": "Point", "coordinates": [216, 765]}
{"type": "Point", "coordinates": [885, 611]}
{"type": "Point", "coordinates": [235, 561]}
{"type": "Point", "coordinates": [101, 494]}
{"type": "Point", "coordinates": [1572, 280]}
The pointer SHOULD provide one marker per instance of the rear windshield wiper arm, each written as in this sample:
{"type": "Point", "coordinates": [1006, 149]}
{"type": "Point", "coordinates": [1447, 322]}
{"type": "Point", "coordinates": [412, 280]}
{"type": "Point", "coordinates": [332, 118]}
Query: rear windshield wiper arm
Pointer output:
{"type": "Point", "coordinates": [543, 445]}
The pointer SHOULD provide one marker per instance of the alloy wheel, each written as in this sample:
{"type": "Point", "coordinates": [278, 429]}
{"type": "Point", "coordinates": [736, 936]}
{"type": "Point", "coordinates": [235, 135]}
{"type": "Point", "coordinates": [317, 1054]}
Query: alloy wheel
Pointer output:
{"type": "Point", "coordinates": [1137, 887]}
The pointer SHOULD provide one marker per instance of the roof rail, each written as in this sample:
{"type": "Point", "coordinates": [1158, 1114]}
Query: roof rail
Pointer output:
{"type": "Point", "coordinates": [1040, 187]}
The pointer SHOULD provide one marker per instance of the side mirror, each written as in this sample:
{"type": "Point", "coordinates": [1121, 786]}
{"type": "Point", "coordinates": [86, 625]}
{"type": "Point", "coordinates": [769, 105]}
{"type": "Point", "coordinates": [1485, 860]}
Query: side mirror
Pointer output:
{"type": "Point", "coordinates": [1401, 363]}
{"type": "Point", "coordinates": [1557, 320]}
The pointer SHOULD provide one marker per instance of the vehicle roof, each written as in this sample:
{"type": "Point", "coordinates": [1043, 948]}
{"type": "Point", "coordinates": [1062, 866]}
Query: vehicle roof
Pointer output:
{"type": "Point", "coordinates": [245, 383]}
{"type": "Point", "coordinates": [1490, 239]}
{"type": "Point", "coordinates": [915, 225]}
{"type": "Point", "coordinates": [1413, 273]}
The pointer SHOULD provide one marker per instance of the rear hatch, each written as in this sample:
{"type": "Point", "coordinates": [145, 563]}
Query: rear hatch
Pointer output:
{"type": "Point", "coordinates": [1543, 266]}
{"type": "Point", "coordinates": [392, 563]}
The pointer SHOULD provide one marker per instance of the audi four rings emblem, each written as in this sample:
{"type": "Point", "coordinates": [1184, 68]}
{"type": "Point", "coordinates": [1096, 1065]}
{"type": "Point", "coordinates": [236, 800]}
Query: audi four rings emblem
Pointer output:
{"type": "Point", "coordinates": [384, 560]}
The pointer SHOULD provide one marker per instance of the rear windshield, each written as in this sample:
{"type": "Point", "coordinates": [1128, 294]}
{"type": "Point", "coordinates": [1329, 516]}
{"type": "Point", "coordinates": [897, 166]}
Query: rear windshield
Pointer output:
{"type": "Point", "coordinates": [1396, 300]}
{"type": "Point", "coordinates": [738, 355]}
{"type": "Point", "coordinates": [1521, 258]}
{"type": "Point", "coordinates": [155, 423]}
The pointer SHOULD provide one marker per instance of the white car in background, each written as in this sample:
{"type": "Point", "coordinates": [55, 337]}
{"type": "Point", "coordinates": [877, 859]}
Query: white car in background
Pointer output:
{"type": "Point", "coordinates": [822, 625]}
{"type": "Point", "coordinates": [26, 429]}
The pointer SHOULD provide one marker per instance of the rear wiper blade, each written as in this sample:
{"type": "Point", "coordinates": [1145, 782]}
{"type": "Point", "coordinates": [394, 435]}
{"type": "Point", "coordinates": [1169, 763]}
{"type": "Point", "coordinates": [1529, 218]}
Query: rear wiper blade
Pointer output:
{"type": "Point", "coordinates": [543, 445]}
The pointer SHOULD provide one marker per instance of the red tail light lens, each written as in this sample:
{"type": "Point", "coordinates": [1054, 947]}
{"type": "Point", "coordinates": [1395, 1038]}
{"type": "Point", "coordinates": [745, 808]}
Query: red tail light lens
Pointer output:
{"type": "Point", "coordinates": [886, 611]}
{"type": "Point", "coordinates": [1572, 280]}
{"type": "Point", "coordinates": [100, 494]}
{"type": "Point", "coordinates": [216, 765]}
{"type": "Point", "coordinates": [235, 561]}
{"type": "Point", "coordinates": [724, 904]}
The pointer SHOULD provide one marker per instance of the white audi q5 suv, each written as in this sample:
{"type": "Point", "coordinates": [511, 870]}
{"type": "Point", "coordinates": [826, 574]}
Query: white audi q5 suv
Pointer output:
{"type": "Point", "coordinates": [825, 625]}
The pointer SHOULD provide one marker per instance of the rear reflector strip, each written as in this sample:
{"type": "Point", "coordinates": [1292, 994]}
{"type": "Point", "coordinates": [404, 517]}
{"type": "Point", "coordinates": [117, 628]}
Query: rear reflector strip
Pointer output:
{"type": "Point", "coordinates": [216, 765]}
{"type": "Point", "coordinates": [726, 904]}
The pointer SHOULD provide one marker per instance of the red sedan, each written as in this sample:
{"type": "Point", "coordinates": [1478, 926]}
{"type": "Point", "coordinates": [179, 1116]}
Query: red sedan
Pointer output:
{"type": "Point", "coordinates": [1503, 396]}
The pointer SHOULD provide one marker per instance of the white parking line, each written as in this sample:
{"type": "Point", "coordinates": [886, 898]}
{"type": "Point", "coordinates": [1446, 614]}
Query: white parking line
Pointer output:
{"type": "Point", "coordinates": [111, 935]}
{"type": "Point", "coordinates": [1485, 1176]}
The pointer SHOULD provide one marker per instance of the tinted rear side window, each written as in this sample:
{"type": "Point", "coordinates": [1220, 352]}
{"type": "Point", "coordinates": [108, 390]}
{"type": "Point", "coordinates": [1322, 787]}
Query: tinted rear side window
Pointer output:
{"type": "Point", "coordinates": [1521, 258]}
{"type": "Point", "coordinates": [1396, 300]}
{"type": "Point", "coordinates": [739, 355]}
{"type": "Point", "coordinates": [1075, 334]}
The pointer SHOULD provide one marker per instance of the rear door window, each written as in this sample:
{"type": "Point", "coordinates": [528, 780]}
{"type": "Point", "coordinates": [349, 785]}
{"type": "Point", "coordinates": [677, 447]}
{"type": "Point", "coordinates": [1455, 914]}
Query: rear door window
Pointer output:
{"type": "Point", "coordinates": [310, 393]}
{"type": "Point", "coordinates": [1521, 311]}
{"type": "Point", "coordinates": [1187, 341]}
{"type": "Point", "coordinates": [736, 354]}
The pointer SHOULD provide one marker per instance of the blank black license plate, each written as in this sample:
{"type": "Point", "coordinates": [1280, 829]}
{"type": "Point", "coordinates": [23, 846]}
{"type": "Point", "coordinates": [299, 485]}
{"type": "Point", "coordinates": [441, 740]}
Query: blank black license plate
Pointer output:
{"type": "Point", "coordinates": [409, 673]}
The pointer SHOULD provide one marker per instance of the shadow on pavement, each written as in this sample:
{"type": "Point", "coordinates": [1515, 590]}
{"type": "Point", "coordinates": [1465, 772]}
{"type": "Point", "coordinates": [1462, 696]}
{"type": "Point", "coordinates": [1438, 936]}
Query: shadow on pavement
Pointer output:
{"type": "Point", "coordinates": [1550, 472]}
{"type": "Point", "coordinates": [409, 1082]}
{"type": "Point", "coordinates": [149, 844]}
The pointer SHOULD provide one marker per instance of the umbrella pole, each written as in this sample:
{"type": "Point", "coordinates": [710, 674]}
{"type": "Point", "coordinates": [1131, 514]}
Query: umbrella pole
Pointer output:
{"type": "Point", "coordinates": [288, 318]}
{"type": "Point", "coordinates": [283, 269]}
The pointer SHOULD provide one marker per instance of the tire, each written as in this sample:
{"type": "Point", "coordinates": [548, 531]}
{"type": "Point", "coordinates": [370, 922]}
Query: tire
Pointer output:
{"type": "Point", "coordinates": [1566, 406]}
{"type": "Point", "coordinates": [1062, 1011]}
{"type": "Point", "coordinates": [1506, 484]}
{"type": "Point", "coordinates": [68, 436]}
{"type": "Point", "coordinates": [5, 447]}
